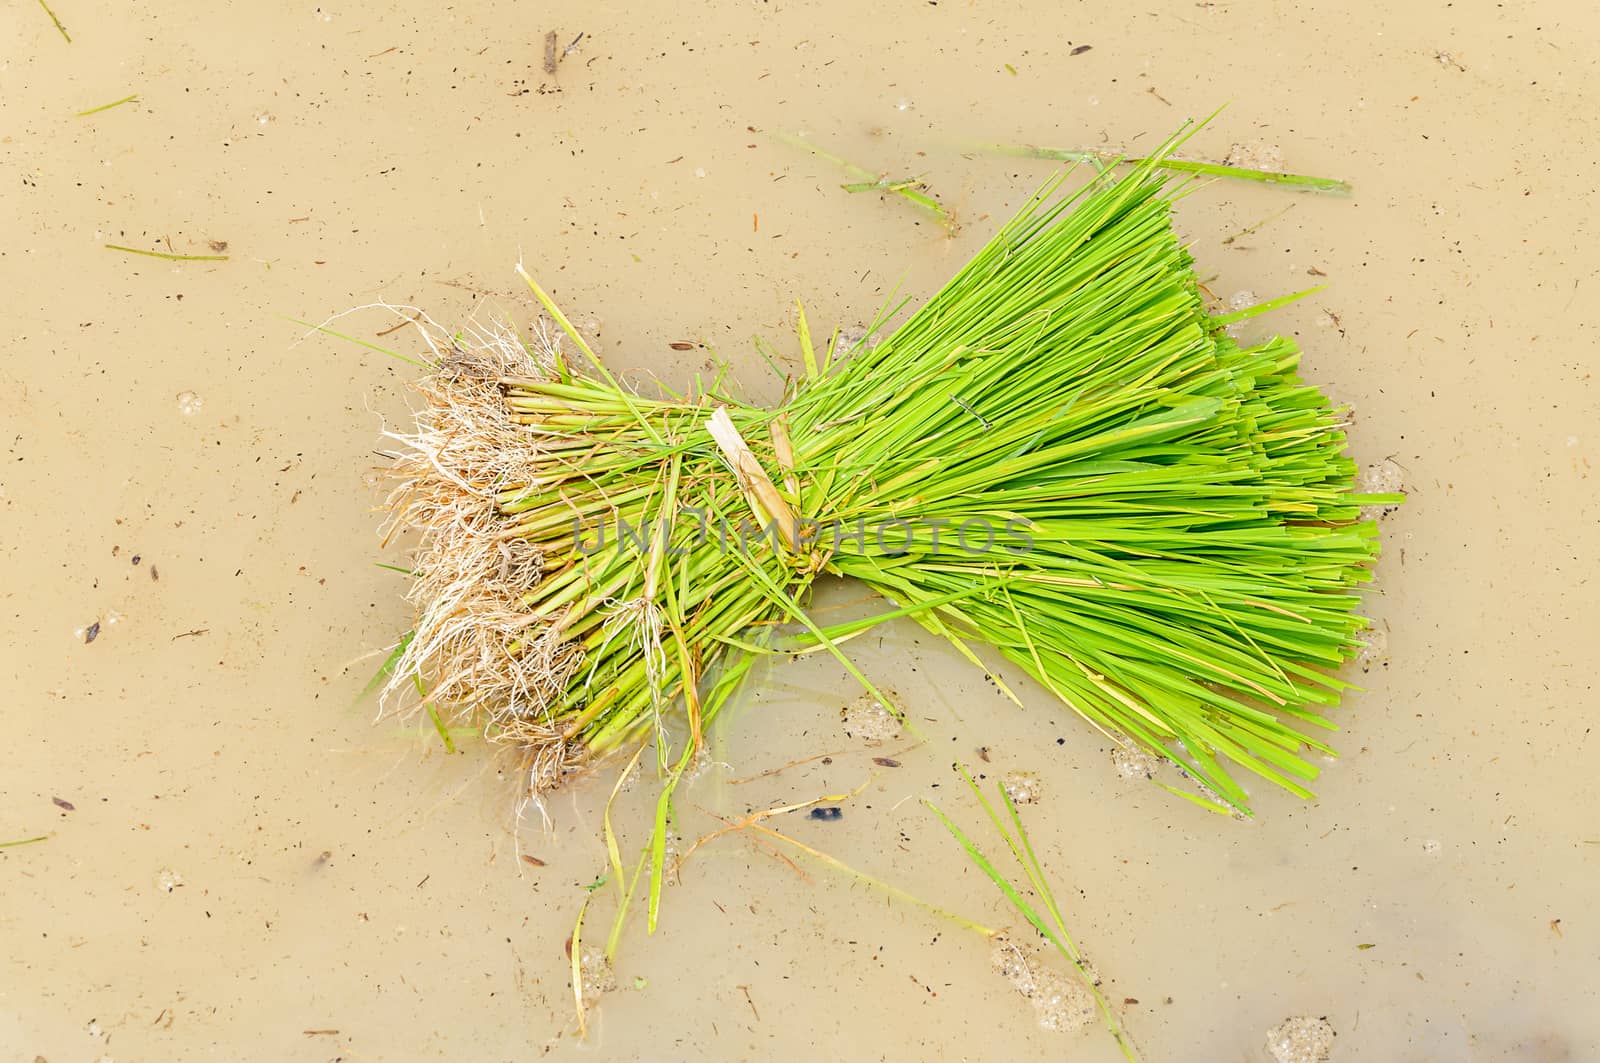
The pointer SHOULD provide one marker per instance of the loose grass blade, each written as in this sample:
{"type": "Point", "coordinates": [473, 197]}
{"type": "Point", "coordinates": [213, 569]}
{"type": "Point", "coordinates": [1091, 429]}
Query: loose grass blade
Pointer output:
{"type": "Point", "coordinates": [59, 27]}
{"type": "Point", "coordinates": [106, 107]}
{"type": "Point", "coordinates": [24, 841]}
{"type": "Point", "coordinates": [1202, 169]}
{"type": "Point", "coordinates": [163, 254]}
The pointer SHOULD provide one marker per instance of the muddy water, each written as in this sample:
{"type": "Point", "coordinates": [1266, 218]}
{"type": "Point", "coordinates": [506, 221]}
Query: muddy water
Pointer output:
{"type": "Point", "coordinates": [250, 869]}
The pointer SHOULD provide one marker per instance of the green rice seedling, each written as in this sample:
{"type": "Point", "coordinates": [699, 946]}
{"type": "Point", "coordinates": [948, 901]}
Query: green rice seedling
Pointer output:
{"type": "Point", "coordinates": [1062, 456]}
{"type": "Point", "coordinates": [911, 189]}
{"type": "Point", "coordinates": [1054, 929]}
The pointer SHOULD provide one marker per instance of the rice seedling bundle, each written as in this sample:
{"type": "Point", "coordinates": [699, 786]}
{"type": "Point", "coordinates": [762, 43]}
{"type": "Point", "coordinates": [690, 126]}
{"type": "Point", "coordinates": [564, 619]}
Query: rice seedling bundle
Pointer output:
{"type": "Point", "coordinates": [1062, 458]}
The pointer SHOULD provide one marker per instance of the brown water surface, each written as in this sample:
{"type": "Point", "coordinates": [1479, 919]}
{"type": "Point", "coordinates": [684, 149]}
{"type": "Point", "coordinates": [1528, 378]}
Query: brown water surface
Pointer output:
{"type": "Point", "coordinates": [249, 868]}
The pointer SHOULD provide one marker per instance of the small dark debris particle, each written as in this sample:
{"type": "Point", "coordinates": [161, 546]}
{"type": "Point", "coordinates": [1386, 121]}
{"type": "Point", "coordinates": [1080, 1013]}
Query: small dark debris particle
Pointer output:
{"type": "Point", "coordinates": [681, 346]}
{"type": "Point", "coordinates": [62, 802]}
{"type": "Point", "coordinates": [827, 812]}
{"type": "Point", "coordinates": [218, 246]}
{"type": "Point", "coordinates": [534, 860]}
{"type": "Point", "coordinates": [827, 760]}
{"type": "Point", "coordinates": [154, 574]}
{"type": "Point", "coordinates": [137, 559]}
{"type": "Point", "coordinates": [983, 754]}
{"type": "Point", "coordinates": [1080, 49]}
{"type": "Point", "coordinates": [886, 762]}
{"type": "Point", "coordinates": [1130, 1000]}
{"type": "Point", "coordinates": [91, 632]}
{"type": "Point", "coordinates": [1061, 741]}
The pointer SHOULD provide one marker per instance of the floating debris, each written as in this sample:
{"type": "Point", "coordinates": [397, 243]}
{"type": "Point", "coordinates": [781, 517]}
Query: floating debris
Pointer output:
{"type": "Point", "coordinates": [1255, 156]}
{"type": "Point", "coordinates": [92, 631]}
{"type": "Point", "coordinates": [551, 43]}
{"type": "Point", "coordinates": [1243, 299]}
{"type": "Point", "coordinates": [1062, 1003]}
{"type": "Point", "coordinates": [1301, 1039]}
{"type": "Point", "coordinates": [1384, 477]}
{"type": "Point", "coordinates": [598, 974]}
{"type": "Point", "coordinates": [1374, 648]}
{"type": "Point", "coordinates": [1023, 787]}
{"type": "Point", "coordinates": [853, 336]}
{"type": "Point", "coordinates": [168, 880]}
{"type": "Point", "coordinates": [867, 717]}
{"type": "Point", "coordinates": [1134, 763]}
